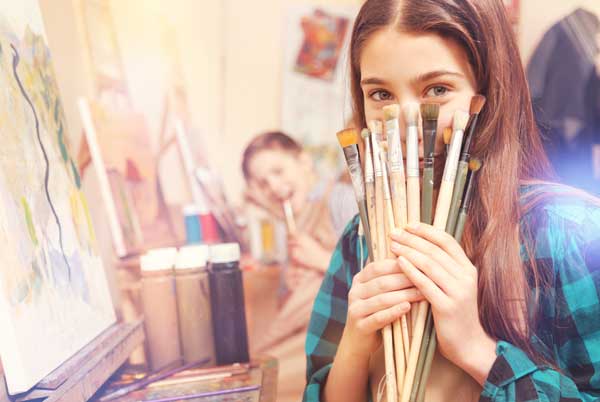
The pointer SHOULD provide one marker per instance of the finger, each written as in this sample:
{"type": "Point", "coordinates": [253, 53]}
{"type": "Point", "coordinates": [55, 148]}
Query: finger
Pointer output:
{"type": "Point", "coordinates": [428, 266]}
{"type": "Point", "coordinates": [380, 319]}
{"type": "Point", "coordinates": [442, 239]}
{"type": "Point", "coordinates": [364, 308]}
{"type": "Point", "coordinates": [428, 288]}
{"type": "Point", "coordinates": [383, 284]}
{"type": "Point", "coordinates": [426, 247]}
{"type": "Point", "coordinates": [377, 269]}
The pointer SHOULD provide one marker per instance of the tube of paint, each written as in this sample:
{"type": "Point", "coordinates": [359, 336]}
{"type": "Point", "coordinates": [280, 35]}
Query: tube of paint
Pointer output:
{"type": "Point", "coordinates": [193, 305]}
{"type": "Point", "coordinates": [210, 229]}
{"type": "Point", "coordinates": [227, 304]}
{"type": "Point", "coordinates": [160, 307]}
{"type": "Point", "coordinates": [193, 227]}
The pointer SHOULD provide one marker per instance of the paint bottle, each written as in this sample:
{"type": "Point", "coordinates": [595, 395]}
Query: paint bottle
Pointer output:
{"type": "Point", "coordinates": [193, 305]}
{"type": "Point", "coordinates": [193, 227]}
{"type": "Point", "coordinates": [227, 304]}
{"type": "Point", "coordinates": [159, 305]}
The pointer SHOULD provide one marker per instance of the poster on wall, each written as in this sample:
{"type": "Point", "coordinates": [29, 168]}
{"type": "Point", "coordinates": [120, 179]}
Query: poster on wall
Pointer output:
{"type": "Point", "coordinates": [315, 91]}
{"type": "Point", "coordinates": [54, 296]}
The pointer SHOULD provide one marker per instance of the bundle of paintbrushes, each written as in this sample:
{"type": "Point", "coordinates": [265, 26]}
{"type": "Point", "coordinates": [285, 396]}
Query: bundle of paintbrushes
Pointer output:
{"type": "Point", "coordinates": [391, 192]}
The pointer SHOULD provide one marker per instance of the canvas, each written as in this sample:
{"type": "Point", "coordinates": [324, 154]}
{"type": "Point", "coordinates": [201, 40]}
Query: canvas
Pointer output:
{"type": "Point", "coordinates": [54, 296]}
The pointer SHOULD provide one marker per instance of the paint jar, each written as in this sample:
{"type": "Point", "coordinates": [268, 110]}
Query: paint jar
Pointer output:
{"type": "Point", "coordinates": [159, 303]}
{"type": "Point", "coordinates": [193, 305]}
{"type": "Point", "coordinates": [227, 304]}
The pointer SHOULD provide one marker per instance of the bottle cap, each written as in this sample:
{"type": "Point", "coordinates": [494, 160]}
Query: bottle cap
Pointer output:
{"type": "Point", "coordinates": [191, 257]}
{"type": "Point", "coordinates": [158, 259]}
{"type": "Point", "coordinates": [224, 253]}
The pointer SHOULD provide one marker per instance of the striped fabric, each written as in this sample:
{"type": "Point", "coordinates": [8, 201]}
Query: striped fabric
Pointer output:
{"type": "Point", "coordinates": [566, 237]}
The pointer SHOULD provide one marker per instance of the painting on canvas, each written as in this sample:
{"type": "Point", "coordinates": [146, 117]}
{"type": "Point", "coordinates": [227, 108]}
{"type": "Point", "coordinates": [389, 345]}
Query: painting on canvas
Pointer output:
{"type": "Point", "coordinates": [125, 161]}
{"type": "Point", "coordinates": [54, 296]}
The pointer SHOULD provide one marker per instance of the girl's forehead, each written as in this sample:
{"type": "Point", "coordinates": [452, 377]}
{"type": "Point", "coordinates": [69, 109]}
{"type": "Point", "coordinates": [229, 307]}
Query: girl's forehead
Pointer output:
{"type": "Point", "coordinates": [401, 56]}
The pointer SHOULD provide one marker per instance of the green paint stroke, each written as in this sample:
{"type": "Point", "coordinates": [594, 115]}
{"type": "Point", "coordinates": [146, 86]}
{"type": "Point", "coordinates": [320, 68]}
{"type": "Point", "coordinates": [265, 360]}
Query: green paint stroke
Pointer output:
{"type": "Point", "coordinates": [29, 221]}
{"type": "Point", "coordinates": [61, 143]}
{"type": "Point", "coordinates": [76, 174]}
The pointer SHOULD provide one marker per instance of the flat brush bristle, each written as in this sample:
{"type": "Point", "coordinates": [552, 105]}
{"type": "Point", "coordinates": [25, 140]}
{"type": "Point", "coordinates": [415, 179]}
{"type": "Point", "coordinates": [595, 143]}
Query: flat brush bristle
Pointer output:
{"type": "Point", "coordinates": [365, 133]}
{"type": "Point", "coordinates": [447, 135]}
{"type": "Point", "coordinates": [477, 103]}
{"type": "Point", "coordinates": [461, 119]}
{"type": "Point", "coordinates": [474, 164]}
{"type": "Point", "coordinates": [391, 112]}
{"type": "Point", "coordinates": [430, 111]}
{"type": "Point", "coordinates": [411, 113]}
{"type": "Point", "coordinates": [375, 126]}
{"type": "Point", "coordinates": [348, 137]}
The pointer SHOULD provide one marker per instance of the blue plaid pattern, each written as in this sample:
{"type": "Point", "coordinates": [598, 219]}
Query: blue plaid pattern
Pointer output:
{"type": "Point", "coordinates": [566, 238]}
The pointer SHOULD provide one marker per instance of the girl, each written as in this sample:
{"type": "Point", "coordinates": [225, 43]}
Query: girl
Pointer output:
{"type": "Point", "coordinates": [517, 312]}
{"type": "Point", "coordinates": [276, 169]}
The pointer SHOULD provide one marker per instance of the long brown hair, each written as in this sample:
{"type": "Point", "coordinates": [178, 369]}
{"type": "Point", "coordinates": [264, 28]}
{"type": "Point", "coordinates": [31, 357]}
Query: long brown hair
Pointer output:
{"type": "Point", "coordinates": [508, 142]}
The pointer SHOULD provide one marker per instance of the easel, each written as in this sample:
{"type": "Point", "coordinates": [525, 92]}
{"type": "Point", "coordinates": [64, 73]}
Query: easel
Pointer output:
{"type": "Point", "coordinates": [83, 374]}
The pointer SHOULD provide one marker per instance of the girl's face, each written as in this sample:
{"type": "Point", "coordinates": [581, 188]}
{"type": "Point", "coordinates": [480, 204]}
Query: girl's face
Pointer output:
{"type": "Point", "coordinates": [281, 175]}
{"type": "Point", "coordinates": [398, 67]}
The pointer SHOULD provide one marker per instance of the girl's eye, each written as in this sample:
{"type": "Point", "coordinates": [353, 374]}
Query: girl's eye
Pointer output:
{"type": "Point", "coordinates": [436, 91]}
{"type": "Point", "coordinates": [381, 96]}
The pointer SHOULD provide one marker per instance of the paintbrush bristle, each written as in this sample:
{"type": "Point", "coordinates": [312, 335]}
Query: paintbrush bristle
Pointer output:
{"type": "Point", "coordinates": [348, 137]}
{"type": "Point", "coordinates": [430, 111]}
{"type": "Point", "coordinates": [365, 133]}
{"type": "Point", "coordinates": [376, 127]}
{"type": "Point", "coordinates": [461, 119]}
{"type": "Point", "coordinates": [477, 103]}
{"type": "Point", "coordinates": [391, 112]}
{"type": "Point", "coordinates": [474, 164]}
{"type": "Point", "coordinates": [447, 135]}
{"type": "Point", "coordinates": [411, 113]}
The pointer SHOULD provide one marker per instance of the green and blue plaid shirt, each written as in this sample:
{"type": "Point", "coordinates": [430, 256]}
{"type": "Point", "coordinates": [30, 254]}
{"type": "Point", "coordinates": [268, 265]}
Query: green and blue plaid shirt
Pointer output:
{"type": "Point", "coordinates": [566, 234]}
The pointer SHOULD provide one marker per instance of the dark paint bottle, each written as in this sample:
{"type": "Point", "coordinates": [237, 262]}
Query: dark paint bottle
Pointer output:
{"type": "Point", "coordinates": [227, 304]}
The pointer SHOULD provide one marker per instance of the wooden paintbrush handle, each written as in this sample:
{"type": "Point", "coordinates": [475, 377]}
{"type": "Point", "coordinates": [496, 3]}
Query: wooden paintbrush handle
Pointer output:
{"type": "Point", "coordinates": [443, 205]}
{"type": "Point", "coordinates": [427, 198]}
{"type": "Point", "coordinates": [457, 195]}
{"type": "Point", "coordinates": [419, 379]}
{"type": "Point", "coordinates": [414, 196]}
{"type": "Point", "coordinates": [423, 308]}
{"type": "Point", "coordinates": [380, 218]}
{"type": "Point", "coordinates": [398, 190]}
{"type": "Point", "coordinates": [460, 225]}
{"type": "Point", "coordinates": [390, 368]}
{"type": "Point", "coordinates": [372, 217]}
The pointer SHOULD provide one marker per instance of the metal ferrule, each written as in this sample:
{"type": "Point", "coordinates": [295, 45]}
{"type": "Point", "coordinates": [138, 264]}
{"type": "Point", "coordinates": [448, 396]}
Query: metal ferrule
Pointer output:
{"type": "Point", "coordinates": [392, 129]}
{"type": "Point", "coordinates": [412, 151]}
{"type": "Point", "coordinates": [453, 156]}
{"type": "Point", "coordinates": [355, 170]}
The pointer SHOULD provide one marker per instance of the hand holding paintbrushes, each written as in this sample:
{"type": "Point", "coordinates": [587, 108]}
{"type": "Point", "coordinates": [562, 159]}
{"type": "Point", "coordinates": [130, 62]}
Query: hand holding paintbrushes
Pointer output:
{"type": "Point", "coordinates": [394, 204]}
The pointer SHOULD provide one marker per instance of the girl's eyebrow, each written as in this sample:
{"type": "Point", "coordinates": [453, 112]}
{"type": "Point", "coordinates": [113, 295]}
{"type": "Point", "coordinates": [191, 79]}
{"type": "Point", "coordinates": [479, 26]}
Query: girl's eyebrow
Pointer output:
{"type": "Point", "coordinates": [435, 74]}
{"type": "Point", "coordinates": [418, 79]}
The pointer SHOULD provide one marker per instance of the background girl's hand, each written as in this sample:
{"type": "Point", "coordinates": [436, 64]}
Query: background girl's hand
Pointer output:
{"type": "Point", "coordinates": [380, 294]}
{"type": "Point", "coordinates": [435, 262]}
{"type": "Point", "coordinates": [305, 251]}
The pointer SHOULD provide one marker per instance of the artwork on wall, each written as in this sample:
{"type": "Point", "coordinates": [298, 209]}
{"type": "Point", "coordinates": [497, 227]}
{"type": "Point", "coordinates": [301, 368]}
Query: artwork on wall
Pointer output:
{"type": "Point", "coordinates": [103, 49]}
{"type": "Point", "coordinates": [127, 168]}
{"type": "Point", "coordinates": [54, 296]}
{"type": "Point", "coordinates": [315, 92]}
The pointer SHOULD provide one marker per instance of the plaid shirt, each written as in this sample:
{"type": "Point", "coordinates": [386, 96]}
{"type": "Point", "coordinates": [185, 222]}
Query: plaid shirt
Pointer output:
{"type": "Point", "coordinates": [566, 234]}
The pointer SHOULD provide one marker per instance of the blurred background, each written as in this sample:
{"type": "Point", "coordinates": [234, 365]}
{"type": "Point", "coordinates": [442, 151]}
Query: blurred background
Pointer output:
{"type": "Point", "coordinates": [162, 99]}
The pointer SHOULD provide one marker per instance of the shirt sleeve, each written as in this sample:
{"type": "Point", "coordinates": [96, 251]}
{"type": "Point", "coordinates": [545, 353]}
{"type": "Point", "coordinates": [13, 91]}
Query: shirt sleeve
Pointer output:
{"type": "Point", "coordinates": [329, 311]}
{"type": "Point", "coordinates": [573, 240]}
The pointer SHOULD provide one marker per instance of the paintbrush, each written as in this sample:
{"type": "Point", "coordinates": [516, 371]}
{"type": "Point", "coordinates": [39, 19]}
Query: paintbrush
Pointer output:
{"type": "Point", "coordinates": [396, 164]}
{"type": "Point", "coordinates": [447, 135]}
{"type": "Point", "coordinates": [349, 140]}
{"type": "Point", "coordinates": [370, 190]}
{"type": "Point", "coordinates": [288, 212]}
{"type": "Point", "coordinates": [413, 191]}
{"type": "Point", "coordinates": [474, 166]}
{"type": "Point", "coordinates": [397, 181]}
{"type": "Point", "coordinates": [388, 343]}
{"type": "Point", "coordinates": [430, 113]}
{"type": "Point", "coordinates": [461, 119]}
{"type": "Point", "coordinates": [477, 104]}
